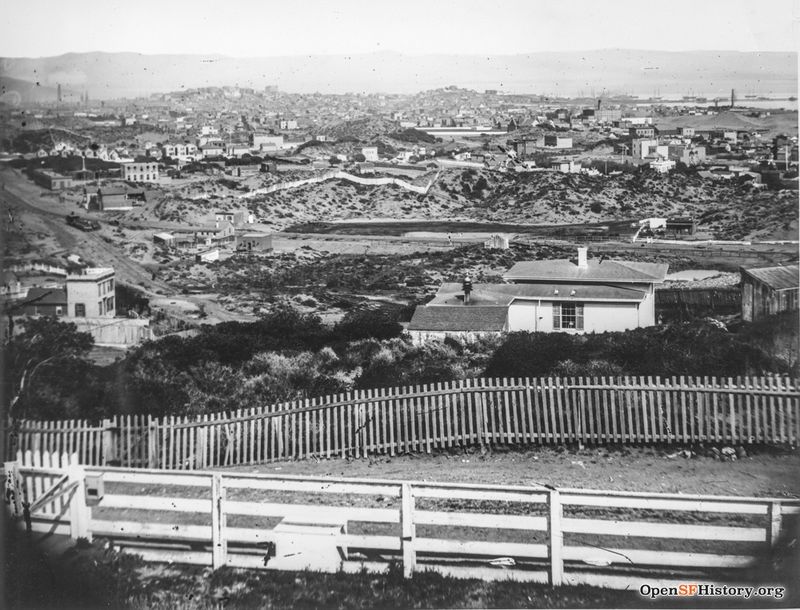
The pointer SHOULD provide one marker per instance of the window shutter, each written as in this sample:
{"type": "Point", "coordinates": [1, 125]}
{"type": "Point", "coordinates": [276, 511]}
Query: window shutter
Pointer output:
{"type": "Point", "coordinates": [579, 317]}
{"type": "Point", "coordinates": [556, 315]}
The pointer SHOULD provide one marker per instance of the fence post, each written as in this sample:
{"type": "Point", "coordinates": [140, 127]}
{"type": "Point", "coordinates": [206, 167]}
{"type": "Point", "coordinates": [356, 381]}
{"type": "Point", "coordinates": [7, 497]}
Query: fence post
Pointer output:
{"type": "Point", "coordinates": [556, 539]}
{"type": "Point", "coordinates": [13, 490]}
{"type": "Point", "coordinates": [219, 543]}
{"type": "Point", "coordinates": [79, 512]}
{"type": "Point", "coordinates": [774, 525]}
{"type": "Point", "coordinates": [407, 530]}
{"type": "Point", "coordinates": [110, 436]}
{"type": "Point", "coordinates": [201, 447]}
{"type": "Point", "coordinates": [152, 443]}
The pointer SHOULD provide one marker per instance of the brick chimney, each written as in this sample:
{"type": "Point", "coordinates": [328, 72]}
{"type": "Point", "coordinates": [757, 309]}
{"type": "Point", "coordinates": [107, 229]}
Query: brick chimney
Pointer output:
{"type": "Point", "coordinates": [583, 257]}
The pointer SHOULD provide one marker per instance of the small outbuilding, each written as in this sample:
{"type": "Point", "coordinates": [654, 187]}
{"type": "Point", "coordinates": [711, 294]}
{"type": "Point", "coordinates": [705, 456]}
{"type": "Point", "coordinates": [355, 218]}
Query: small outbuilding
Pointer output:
{"type": "Point", "coordinates": [767, 291]}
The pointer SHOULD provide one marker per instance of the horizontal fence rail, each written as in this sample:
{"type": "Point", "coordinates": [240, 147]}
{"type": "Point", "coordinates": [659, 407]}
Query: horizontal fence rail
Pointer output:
{"type": "Point", "coordinates": [613, 539]}
{"type": "Point", "coordinates": [423, 418]}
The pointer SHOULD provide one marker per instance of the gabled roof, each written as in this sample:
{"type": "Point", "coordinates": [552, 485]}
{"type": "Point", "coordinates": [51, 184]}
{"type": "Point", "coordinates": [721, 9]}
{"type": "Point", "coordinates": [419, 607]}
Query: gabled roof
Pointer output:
{"type": "Point", "coordinates": [485, 295]}
{"type": "Point", "coordinates": [459, 318]}
{"type": "Point", "coordinates": [595, 271]}
{"type": "Point", "coordinates": [46, 296]}
{"type": "Point", "coordinates": [777, 278]}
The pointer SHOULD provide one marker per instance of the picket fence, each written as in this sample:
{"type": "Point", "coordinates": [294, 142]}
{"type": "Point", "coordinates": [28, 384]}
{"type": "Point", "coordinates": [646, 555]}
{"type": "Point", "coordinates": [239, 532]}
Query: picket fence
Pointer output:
{"type": "Point", "coordinates": [442, 416]}
{"type": "Point", "coordinates": [612, 539]}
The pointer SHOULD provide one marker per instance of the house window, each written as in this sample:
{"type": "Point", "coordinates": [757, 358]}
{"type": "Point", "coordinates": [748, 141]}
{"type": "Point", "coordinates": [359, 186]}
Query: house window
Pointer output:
{"type": "Point", "coordinates": [59, 310]}
{"type": "Point", "coordinates": [568, 316]}
{"type": "Point", "coordinates": [80, 310]}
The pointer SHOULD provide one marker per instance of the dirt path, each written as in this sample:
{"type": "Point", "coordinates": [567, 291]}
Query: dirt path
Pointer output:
{"type": "Point", "coordinates": [764, 473]}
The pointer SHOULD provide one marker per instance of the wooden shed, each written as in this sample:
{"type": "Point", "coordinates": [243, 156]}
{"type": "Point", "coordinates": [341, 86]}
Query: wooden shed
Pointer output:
{"type": "Point", "coordinates": [769, 290]}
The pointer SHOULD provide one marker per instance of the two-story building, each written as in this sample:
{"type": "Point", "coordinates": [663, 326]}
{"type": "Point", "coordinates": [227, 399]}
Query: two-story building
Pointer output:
{"type": "Point", "coordinates": [90, 293]}
{"type": "Point", "coordinates": [140, 172]}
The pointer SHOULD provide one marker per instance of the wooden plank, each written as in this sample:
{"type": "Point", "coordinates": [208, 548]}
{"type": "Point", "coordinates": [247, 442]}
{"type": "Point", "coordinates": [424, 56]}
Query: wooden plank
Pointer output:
{"type": "Point", "coordinates": [137, 529]}
{"type": "Point", "coordinates": [649, 503]}
{"type": "Point", "coordinates": [194, 479]}
{"type": "Point", "coordinates": [760, 413]}
{"type": "Point", "coordinates": [508, 412]}
{"type": "Point", "coordinates": [549, 411]}
{"type": "Point", "coordinates": [448, 415]}
{"type": "Point", "coordinates": [310, 485]}
{"type": "Point", "coordinates": [646, 529]}
{"type": "Point", "coordinates": [782, 404]}
{"type": "Point", "coordinates": [480, 520]}
{"type": "Point", "coordinates": [491, 494]}
{"type": "Point", "coordinates": [774, 436]}
{"type": "Point", "coordinates": [748, 416]}
{"type": "Point", "coordinates": [560, 410]}
{"type": "Point", "coordinates": [556, 538]}
{"type": "Point", "coordinates": [384, 418]}
{"type": "Point", "coordinates": [219, 542]}
{"type": "Point", "coordinates": [157, 503]}
{"type": "Point", "coordinates": [484, 414]}
{"type": "Point", "coordinates": [407, 530]}
{"type": "Point", "coordinates": [391, 408]}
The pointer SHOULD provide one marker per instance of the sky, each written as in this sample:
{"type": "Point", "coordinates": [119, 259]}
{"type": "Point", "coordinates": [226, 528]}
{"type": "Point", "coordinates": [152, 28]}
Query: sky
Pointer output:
{"type": "Point", "coordinates": [262, 28]}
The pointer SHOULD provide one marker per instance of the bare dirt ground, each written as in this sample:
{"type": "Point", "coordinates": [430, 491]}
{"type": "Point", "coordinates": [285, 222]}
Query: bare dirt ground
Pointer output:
{"type": "Point", "coordinates": [763, 473]}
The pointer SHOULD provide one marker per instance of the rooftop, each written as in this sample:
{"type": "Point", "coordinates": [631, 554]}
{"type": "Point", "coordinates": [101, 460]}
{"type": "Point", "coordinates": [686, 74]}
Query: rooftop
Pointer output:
{"type": "Point", "coordinates": [91, 273]}
{"type": "Point", "coordinates": [487, 295]}
{"type": "Point", "coordinates": [459, 318]}
{"type": "Point", "coordinates": [46, 296]}
{"type": "Point", "coordinates": [777, 278]}
{"type": "Point", "coordinates": [595, 271]}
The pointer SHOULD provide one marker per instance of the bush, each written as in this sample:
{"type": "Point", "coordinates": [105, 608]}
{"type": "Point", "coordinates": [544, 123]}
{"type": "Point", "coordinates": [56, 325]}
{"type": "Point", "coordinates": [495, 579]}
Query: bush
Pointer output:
{"type": "Point", "coordinates": [368, 324]}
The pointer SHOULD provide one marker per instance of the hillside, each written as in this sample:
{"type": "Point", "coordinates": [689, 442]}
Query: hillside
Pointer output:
{"type": "Point", "coordinates": [110, 75]}
{"type": "Point", "coordinates": [725, 210]}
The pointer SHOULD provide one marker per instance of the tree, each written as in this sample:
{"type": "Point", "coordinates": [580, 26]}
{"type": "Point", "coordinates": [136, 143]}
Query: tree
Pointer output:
{"type": "Point", "coordinates": [45, 345]}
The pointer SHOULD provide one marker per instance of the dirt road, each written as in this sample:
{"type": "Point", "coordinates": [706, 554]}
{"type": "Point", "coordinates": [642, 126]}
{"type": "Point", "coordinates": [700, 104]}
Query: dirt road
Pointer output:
{"type": "Point", "coordinates": [96, 246]}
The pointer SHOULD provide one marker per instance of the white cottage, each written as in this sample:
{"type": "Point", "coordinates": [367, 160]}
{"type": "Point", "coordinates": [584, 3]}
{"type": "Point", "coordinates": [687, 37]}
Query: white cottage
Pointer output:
{"type": "Point", "coordinates": [546, 296]}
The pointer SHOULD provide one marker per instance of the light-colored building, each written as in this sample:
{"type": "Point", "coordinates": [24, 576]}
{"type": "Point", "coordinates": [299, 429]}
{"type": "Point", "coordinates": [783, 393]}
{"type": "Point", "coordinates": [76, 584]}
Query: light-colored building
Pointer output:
{"type": "Point", "coordinates": [553, 141]}
{"type": "Point", "coordinates": [643, 148]}
{"type": "Point", "coordinates": [370, 153]}
{"type": "Point", "coordinates": [90, 293]}
{"type": "Point", "coordinates": [266, 142]}
{"type": "Point", "coordinates": [179, 151]}
{"type": "Point", "coordinates": [140, 172]}
{"type": "Point", "coordinates": [546, 296]}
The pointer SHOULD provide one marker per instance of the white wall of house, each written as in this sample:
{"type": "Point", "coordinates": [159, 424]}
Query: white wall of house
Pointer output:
{"type": "Point", "coordinates": [533, 316]}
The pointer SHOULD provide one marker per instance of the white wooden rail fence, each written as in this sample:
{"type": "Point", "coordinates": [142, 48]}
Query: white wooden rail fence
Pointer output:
{"type": "Point", "coordinates": [422, 418]}
{"type": "Point", "coordinates": [560, 536]}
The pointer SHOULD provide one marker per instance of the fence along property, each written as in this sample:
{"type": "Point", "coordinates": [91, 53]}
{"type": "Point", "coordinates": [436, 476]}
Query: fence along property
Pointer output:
{"type": "Point", "coordinates": [437, 416]}
{"type": "Point", "coordinates": [540, 534]}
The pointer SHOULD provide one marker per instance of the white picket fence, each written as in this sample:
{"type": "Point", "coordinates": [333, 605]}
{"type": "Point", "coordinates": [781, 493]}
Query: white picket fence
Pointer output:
{"type": "Point", "coordinates": [527, 533]}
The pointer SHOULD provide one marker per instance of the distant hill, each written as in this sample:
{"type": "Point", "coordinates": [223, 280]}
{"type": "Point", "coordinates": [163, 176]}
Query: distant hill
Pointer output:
{"type": "Point", "coordinates": [15, 90]}
{"type": "Point", "coordinates": [109, 75]}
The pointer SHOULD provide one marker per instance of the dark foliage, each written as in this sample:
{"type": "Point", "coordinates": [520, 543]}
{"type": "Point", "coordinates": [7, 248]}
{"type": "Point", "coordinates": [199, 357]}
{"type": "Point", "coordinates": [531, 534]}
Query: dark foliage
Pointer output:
{"type": "Point", "coordinates": [677, 349]}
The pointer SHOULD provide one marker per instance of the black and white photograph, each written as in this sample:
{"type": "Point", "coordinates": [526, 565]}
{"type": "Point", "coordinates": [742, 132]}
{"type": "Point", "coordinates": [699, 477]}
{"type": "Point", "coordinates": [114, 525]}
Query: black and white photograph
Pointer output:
{"type": "Point", "coordinates": [362, 304]}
